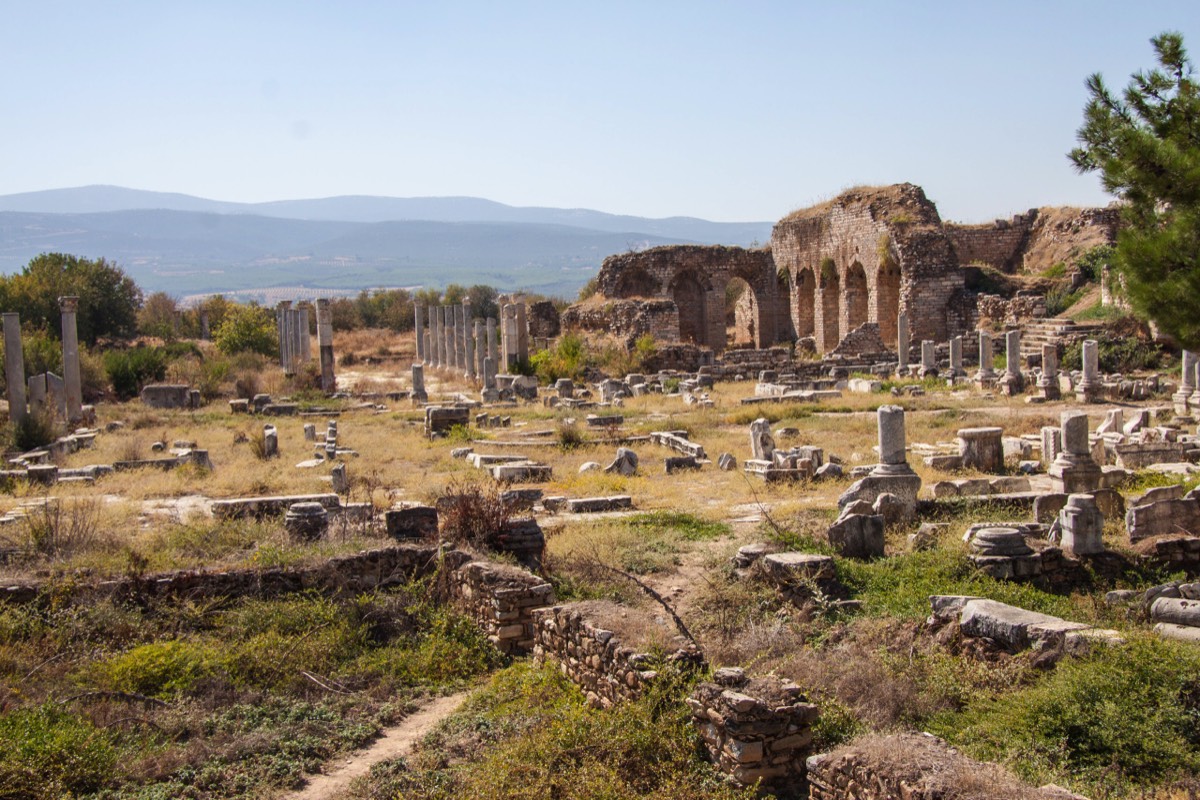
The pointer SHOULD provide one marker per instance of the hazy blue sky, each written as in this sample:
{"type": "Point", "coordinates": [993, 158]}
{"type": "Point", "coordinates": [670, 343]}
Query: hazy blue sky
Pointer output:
{"type": "Point", "coordinates": [731, 111]}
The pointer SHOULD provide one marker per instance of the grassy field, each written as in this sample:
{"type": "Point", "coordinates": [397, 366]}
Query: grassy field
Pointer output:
{"type": "Point", "coordinates": [242, 698]}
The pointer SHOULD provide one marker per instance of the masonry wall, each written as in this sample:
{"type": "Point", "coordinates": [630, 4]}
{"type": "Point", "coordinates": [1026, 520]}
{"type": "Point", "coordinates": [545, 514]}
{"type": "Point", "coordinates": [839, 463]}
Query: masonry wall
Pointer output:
{"type": "Point", "coordinates": [695, 277]}
{"type": "Point", "coordinates": [628, 319]}
{"type": "Point", "coordinates": [1000, 244]}
{"type": "Point", "coordinates": [594, 658]}
{"type": "Point", "coordinates": [866, 256]}
{"type": "Point", "coordinates": [914, 767]}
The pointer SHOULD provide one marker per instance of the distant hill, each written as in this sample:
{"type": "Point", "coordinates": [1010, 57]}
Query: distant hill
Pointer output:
{"type": "Point", "coordinates": [189, 245]}
{"type": "Point", "coordinates": [192, 253]}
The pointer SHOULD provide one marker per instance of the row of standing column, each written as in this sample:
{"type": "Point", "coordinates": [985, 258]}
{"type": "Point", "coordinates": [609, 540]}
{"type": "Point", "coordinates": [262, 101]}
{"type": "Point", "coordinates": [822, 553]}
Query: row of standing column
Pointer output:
{"type": "Point", "coordinates": [295, 346]}
{"type": "Point", "coordinates": [1089, 384]}
{"type": "Point", "coordinates": [450, 339]}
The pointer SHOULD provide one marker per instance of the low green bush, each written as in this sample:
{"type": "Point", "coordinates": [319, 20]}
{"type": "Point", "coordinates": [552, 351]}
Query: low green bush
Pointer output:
{"type": "Point", "coordinates": [1116, 722]}
{"type": "Point", "coordinates": [47, 752]}
{"type": "Point", "coordinates": [129, 370]}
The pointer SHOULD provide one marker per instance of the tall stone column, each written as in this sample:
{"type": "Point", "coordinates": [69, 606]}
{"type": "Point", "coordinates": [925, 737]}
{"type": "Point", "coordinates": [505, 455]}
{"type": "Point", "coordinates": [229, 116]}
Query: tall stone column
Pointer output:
{"type": "Point", "coordinates": [491, 340]}
{"type": "Point", "coordinates": [1048, 382]}
{"type": "Point", "coordinates": [986, 377]}
{"type": "Point", "coordinates": [1012, 382]}
{"type": "Point", "coordinates": [72, 386]}
{"type": "Point", "coordinates": [302, 336]}
{"type": "Point", "coordinates": [902, 344]}
{"type": "Point", "coordinates": [928, 359]}
{"type": "Point", "coordinates": [523, 334]}
{"type": "Point", "coordinates": [14, 366]}
{"type": "Point", "coordinates": [418, 331]}
{"type": "Point", "coordinates": [460, 337]}
{"type": "Point", "coordinates": [436, 334]}
{"type": "Point", "coordinates": [325, 345]}
{"type": "Point", "coordinates": [447, 337]}
{"type": "Point", "coordinates": [468, 341]}
{"type": "Point", "coordinates": [1194, 400]}
{"type": "Point", "coordinates": [507, 346]}
{"type": "Point", "coordinates": [1090, 387]}
{"type": "Point", "coordinates": [480, 347]}
{"type": "Point", "coordinates": [283, 318]}
{"type": "Point", "coordinates": [956, 364]}
{"type": "Point", "coordinates": [1187, 384]}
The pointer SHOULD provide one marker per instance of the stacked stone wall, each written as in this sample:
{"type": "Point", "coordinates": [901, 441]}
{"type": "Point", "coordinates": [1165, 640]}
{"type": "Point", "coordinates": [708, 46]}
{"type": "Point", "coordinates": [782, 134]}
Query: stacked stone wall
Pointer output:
{"type": "Point", "coordinates": [914, 767]}
{"type": "Point", "coordinates": [607, 670]}
{"type": "Point", "coordinates": [998, 312]}
{"type": "Point", "coordinates": [1000, 244]}
{"type": "Point", "coordinates": [502, 601]}
{"type": "Point", "coordinates": [755, 729]}
{"type": "Point", "coordinates": [627, 320]}
{"type": "Point", "coordinates": [695, 278]}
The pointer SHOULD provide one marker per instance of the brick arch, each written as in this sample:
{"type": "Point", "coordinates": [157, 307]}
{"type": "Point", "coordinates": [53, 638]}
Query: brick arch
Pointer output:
{"type": "Point", "coordinates": [885, 300]}
{"type": "Point", "coordinates": [758, 326]}
{"type": "Point", "coordinates": [829, 289]}
{"type": "Point", "coordinates": [854, 298]}
{"type": "Point", "coordinates": [690, 291]}
{"type": "Point", "coordinates": [804, 299]}
{"type": "Point", "coordinates": [637, 282]}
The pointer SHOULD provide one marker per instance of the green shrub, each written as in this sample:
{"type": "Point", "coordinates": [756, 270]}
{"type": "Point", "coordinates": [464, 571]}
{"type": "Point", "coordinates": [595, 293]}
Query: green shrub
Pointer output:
{"type": "Point", "coordinates": [129, 370]}
{"type": "Point", "coordinates": [564, 360]}
{"type": "Point", "coordinates": [157, 669]}
{"type": "Point", "coordinates": [248, 329]}
{"type": "Point", "coordinates": [1118, 721]}
{"type": "Point", "coordinates": [46, 752]}
{"type": "Point", "coordinates": [34, 431]}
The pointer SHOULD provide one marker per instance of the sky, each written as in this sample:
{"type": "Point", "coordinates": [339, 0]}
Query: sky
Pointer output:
{"type": "Point", "coordinates": [730, 111]}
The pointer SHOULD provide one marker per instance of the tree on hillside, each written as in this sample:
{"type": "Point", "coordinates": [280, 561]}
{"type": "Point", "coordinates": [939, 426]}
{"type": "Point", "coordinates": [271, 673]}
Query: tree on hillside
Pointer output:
{"type": "Point", "coordinates": [248, 328]}
{"type": "Point", "coordinates": [1146, 147]}
{"type": "Point", "coordinates": [158, 316]}
{"type": "Point", "coordinates": [108, 298]}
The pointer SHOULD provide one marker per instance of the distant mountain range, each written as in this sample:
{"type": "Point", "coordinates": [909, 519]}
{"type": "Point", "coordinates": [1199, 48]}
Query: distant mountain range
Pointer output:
{"type": "Point", "coordinates": [189, 245]}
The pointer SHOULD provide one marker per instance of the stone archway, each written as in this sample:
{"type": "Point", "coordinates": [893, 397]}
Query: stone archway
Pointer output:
{"type": "Point", "coordinates": [637, 282]}
{"type": "Point", "coordinates": [690, 296]}
{"type": "Point", "coordinates": [741, 314]}
{"type": "Point", "coordinates": [830, 286]}
{"type": "Point", "coordinates": [854, 298]}
{"type": "Point", "coordinates": [887, 300]}
{"type": "Point", "coordinates": [804, 299]}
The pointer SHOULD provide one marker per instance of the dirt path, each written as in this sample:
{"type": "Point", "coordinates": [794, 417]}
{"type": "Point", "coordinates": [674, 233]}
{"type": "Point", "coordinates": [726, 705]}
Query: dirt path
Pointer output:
{"type": "Point", "coordinates": [394, 742]}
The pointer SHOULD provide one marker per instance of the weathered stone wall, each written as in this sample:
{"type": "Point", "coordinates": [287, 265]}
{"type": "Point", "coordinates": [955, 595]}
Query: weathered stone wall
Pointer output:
{"type": "Point", "coordinates": [1036, 240]}
{"type": "Point", "coordinates": [1000, 244]}
{"type": "Point", "coordinates": [866, 256]}
{"type": "Point", "coordinates": [695, 277]}
{"type": "Point", "coordinates": [627, 320]}
{"type": "Point", "coordinates": [543, 320]}
{"type": "Point", "coordinates": [756, 729]}
{"type": "Point", "coordinates": [995, 311]}
{"type": "Point", "coordinates": [593, 657]}
{"type": "Point", "coordinates": [914, 767]}
{"type": "Point", "coordinates": [501, 599]}
{"type": "Point", "coordinates": [360, 572]}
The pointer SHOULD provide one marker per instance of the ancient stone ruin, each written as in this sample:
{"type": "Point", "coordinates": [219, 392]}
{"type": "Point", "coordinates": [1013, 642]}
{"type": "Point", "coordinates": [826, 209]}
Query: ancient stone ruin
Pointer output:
{"type": "Point", "coordinates": [872, 255]}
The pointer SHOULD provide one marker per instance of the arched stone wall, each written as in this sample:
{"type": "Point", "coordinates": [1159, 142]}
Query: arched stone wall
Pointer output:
{"type": "Point", "coordinates": [854, 299]}
{"type": "Point", "coordinates": [804, 299]}
{"type": "Point", "coordinates": [695, 277]}
{"type": "Point", "coordinates": [886, 300]}
{"type": "Point", "coordinates": [829, 291]}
